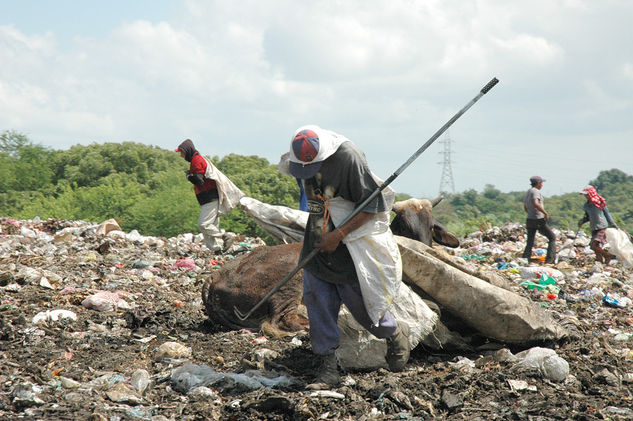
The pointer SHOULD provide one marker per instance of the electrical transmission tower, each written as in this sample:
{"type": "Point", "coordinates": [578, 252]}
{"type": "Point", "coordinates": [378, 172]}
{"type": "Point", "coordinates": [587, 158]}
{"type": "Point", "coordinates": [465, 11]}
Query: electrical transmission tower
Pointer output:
{"type": "Point", "coordinates": [447, 185]}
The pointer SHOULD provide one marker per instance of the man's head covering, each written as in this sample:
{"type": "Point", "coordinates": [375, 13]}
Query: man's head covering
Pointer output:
{"type": "Point", "coordinates": [594, 197]}
{"type": "Point", "coordinates": [535, 179]}
{"type": "Point", "coordinates": [309, 147]}
{"type": "Point", "coordinates": [188, 148]}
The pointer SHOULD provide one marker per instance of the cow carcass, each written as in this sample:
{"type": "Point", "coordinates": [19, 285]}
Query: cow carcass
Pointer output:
{"type": "Point", "coordinates": [414, 220]}
{"type": "Point", "coordinates": [244, 281]}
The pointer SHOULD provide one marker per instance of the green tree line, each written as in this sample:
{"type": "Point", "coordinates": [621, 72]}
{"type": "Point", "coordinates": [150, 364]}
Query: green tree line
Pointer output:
{"type": "Point", "coordinates": [144, 187]}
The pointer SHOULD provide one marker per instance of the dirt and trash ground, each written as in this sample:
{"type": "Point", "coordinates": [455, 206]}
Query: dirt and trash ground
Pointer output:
{"type": "Point", "coordinates": [112, 327]}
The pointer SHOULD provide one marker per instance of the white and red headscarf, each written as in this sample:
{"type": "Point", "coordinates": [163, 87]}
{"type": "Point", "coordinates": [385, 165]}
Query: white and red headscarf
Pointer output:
{"type": "Point", "coordinates": [594, 197]}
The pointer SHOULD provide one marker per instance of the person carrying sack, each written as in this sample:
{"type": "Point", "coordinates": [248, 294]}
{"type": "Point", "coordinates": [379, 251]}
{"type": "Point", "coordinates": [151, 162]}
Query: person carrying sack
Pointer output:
{"type": "Point", "coordinates": [597, 213]}
{"type": "Point", "coordinates": [359, 263]}
{"type": "Point", "coordinates": [215, 193]}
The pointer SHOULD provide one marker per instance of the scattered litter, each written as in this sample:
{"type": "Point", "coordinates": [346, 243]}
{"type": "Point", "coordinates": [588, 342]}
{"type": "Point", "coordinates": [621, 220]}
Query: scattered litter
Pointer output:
{"type": "Point", "coordinates": [173, 350]}
{"type": "Point", "coordinates": [327, 394]}
{"type": "Point", "coordinates": [107, 301]}
{"type": "Point", "coordinates": [190, 376]}
{"type": "Point", "coordinates": [54, 316]}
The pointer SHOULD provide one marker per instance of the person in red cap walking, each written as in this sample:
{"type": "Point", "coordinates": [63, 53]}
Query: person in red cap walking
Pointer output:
{"type": "Point", "coordinates": [216, 194]}
{"type": "Point", "coordinates": [597, 213]}
{"type": "Point", "coordinates": [336, 179]}
{"type": "Point", "coordinates": [537, 218]}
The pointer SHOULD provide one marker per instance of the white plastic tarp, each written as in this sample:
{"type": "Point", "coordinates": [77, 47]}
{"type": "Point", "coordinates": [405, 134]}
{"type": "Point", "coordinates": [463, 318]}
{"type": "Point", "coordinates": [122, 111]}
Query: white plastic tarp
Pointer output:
{"type": "Point", "coordinates": [229, 193]}
{"type": "Point", "coordinates": [285, 224]}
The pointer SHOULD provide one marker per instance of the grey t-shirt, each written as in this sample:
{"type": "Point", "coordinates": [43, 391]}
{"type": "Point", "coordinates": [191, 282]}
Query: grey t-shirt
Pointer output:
{"type": "Point", "coordinates": [528, 200]}
{"type": "Point", "coordinates": [345, 174]}
{"type": "Point", "coordinates": [598, 218]}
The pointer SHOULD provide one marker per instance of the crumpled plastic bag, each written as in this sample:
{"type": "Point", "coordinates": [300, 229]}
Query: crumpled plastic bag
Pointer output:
{"type": "Point", "coordinates": [546, 360]}
{"type": "Point", "coordinates": [173, 350]}
{"type": "Point", "coordinates": [186, 263]}
{"type": "Point", "coordinates": [106, 301]}
{"type": "Point", "coordinates": [189, 376]}
{"type": "Point", "coordinates": [53, 315]}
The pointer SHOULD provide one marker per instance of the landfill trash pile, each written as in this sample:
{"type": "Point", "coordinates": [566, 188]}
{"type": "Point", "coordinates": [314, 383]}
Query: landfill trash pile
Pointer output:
{"type": "Point", "coordinates": [97, 323]}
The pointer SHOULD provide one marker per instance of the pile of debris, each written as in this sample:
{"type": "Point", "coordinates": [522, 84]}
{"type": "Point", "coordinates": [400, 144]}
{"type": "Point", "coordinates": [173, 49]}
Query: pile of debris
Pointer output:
{"type": "Point", "coordinates": [97, 323]}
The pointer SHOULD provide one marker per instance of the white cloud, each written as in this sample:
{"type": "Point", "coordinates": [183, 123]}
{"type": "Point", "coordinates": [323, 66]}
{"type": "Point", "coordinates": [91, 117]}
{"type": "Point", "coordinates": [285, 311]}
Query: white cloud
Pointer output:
{"type": "Point", "coordinates": [240, 76]}
{"type": "Point", "coordinates": [627, 71]}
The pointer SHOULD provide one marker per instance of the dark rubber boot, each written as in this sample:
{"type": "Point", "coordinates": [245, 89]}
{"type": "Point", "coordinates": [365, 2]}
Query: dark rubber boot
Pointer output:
{"type": "Point", "coordinates": [328, 372]}
{"type": "Point", "coordinates": [398, 348]}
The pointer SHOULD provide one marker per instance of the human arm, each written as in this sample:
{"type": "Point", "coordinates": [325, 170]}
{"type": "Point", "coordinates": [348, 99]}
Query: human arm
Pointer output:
{"type": "Point", "coordinates": [539, 207]}
{"type": "Point", "coordinates": [584, 219]}
{"type": "Point", "coordinates": [198, 167]}
{"type": "Point", "coordinates": [196, 179]}
{"type": "Point", "coordinates": [609, 218]}
{"type": "Point", "coordinates": [330, 241]}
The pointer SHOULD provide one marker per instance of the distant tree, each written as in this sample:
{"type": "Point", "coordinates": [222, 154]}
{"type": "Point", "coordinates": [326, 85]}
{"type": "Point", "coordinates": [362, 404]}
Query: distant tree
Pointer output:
{"type": "Point", "coordinates": [23, 164]}
{"type": "Point", "coordinates": [610, 177]}
{"type": "Point", "coordinates": [87, 165]}
{"type": "Point", "coordinates": [12, 143]}
{"type": "Point", "coordinates": [166, 208]}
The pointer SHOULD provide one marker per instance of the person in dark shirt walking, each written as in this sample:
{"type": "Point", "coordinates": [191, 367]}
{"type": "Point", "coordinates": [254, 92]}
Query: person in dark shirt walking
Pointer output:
{"type": "Point", "coordinates": [537, 218]}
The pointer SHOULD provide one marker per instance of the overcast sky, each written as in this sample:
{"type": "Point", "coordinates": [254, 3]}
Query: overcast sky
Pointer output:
{"type": "Point", "coordinates": [241, 76]}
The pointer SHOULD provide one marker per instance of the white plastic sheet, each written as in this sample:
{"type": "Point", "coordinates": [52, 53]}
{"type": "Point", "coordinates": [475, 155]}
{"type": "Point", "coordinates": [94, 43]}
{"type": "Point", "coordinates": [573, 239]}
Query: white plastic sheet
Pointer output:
{"type": "Point", "coordinates": [229, 193]}
{"type": "Point", "coordinates": [283, 223]}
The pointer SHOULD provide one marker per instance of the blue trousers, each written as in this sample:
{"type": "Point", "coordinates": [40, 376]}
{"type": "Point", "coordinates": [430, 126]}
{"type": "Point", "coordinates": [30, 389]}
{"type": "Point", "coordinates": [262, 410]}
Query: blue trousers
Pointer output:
{"type": "Point", "coordinates": [323, 302]}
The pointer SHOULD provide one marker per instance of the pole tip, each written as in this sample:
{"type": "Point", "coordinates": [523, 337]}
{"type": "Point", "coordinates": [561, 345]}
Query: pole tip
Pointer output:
{"type": "Point", "coordinates": [490, 85]}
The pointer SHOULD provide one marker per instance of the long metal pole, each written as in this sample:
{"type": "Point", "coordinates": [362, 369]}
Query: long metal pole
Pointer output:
{"type": "Point", "coordinates": [371, 197]}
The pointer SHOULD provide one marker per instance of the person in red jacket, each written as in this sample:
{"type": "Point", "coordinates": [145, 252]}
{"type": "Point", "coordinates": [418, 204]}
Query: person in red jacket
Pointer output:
{"type": "Point", "coordinates": [207, 194]}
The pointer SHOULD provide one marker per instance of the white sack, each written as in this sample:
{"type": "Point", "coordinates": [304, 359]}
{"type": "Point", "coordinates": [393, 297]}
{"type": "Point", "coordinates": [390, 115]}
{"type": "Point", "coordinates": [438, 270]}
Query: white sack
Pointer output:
{"type": "Point", "coordinates": [620, 245]}
{"type": "Point", "coordinates": [492, 311]}
{"type": "Point", "coordinates": [376, 257]}
{"type": "Point", "coordinates": [359, 349]}
{"type": "Point", "coordinates": [229, 194]}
